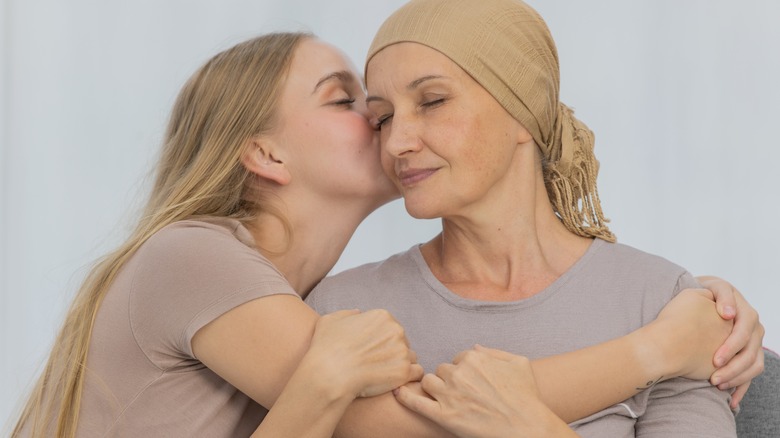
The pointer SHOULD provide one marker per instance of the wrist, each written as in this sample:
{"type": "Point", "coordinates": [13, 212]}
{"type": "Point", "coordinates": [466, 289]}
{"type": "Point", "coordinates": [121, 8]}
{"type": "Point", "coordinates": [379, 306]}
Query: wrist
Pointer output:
{"type": "Point", "coordinates": [325, 381]}
{"type": "Point", "coordinates": [546, 424]}
{"type": "Point", "coordinates": [655, 351]}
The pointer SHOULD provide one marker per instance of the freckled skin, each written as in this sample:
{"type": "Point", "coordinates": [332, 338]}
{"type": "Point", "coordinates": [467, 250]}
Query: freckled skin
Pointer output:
{"type": "Point", "coordinates": [469, 138]}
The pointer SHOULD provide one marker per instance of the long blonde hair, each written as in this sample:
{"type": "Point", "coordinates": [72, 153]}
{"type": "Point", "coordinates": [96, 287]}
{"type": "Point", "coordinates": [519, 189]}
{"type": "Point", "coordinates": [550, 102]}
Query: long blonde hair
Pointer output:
{"type": "Point", "coordinates": [227, 101]}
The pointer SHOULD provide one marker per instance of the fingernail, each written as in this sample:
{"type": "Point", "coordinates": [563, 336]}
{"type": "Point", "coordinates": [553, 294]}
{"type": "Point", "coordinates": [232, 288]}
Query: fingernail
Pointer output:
{"type": "Point", "coordinates": [729, 311]}
{"type": "Point", "coordinates": [719, 361]}
{"type": "Point", "coordinates": [395, 391]}
{"type": "Point", "coordinates": [715, 380]}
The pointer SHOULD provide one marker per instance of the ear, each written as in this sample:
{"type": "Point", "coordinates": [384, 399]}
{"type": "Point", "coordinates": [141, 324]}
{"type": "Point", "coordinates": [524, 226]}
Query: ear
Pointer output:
{"type": "Point", "coordinates": [260, 157]}
{"type": "Point", "coordinates": [523, 135]}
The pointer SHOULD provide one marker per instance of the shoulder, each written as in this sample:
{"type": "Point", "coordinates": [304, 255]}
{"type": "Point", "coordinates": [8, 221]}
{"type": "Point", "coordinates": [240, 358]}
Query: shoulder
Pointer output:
{"type": "Point", "coordinates": [200, 233]}
{"type": "Point", "coordinates": [372, 274]}
{"type": "Point", "coordinates": [204, 243]}
{"type": "Point", "coordinates": [633, 279]}
{"type": "Point", "coordinates": [191, 272]}
{"type": "Point", "coordinates": [627, 257]}
{"type": "Point", "coordinates": [204, 259]}
{"type": "Point", "coordinates": [365, 283]}
{"type": "Point", "coordinates": [640, 266]}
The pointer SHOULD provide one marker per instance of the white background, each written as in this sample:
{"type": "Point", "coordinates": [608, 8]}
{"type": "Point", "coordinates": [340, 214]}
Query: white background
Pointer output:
{"type": "Point", "coordinates": [683, 96]}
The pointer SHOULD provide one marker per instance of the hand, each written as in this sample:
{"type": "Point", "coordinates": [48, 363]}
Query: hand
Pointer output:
{"type": "Point", "coordinates": [365, 354]}
{"type": "Point", "coordinates": [690, 330]}
{"type": "Point", "coordinates": [484, 393]}
{"type": "Point", "coordinates": [740, 356]}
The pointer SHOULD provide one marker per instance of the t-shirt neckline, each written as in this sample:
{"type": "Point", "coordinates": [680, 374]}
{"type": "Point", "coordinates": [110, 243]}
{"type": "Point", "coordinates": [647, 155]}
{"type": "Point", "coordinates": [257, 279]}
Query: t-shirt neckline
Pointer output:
{"type": "Point", "coordinates": [456, 300]}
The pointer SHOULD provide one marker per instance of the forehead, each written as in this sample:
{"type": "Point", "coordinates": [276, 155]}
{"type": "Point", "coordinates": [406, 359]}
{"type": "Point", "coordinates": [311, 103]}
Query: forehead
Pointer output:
{"type": "Point", "coordinates": [314, 59]}
{"type": "Point", "coordinates": [408, 61]}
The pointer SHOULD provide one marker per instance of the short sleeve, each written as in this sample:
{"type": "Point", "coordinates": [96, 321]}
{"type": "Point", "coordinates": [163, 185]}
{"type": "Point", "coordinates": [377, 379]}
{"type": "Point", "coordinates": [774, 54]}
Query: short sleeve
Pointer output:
{"type": "Point", "coordinates": [687, 408]}
{"type": "Point", "coordinates": [188, 274]}
{"type": "Point", "coordinates": [686, 281]}
{"type": "Point", "coordinates": [683, 407]}
{"type": "Point", "coordinates": [313, 299]}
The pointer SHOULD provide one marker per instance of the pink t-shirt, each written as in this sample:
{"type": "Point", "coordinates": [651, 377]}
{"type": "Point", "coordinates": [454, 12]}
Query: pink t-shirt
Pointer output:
{"type": "Point", "coordinates": [143, 379]}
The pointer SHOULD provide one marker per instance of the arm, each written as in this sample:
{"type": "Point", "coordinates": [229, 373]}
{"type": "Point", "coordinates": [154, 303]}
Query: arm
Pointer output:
{"type": "Point", "coordinates": [351, 355]}
{"type": "Point", "coordinates": [608, 373]}
{"type": "Point", "coordinates": [260, 366]}
{"type": "Point", "coordinates": [679, 343]}
{"type": "Point", "coordinates": [489, 392]}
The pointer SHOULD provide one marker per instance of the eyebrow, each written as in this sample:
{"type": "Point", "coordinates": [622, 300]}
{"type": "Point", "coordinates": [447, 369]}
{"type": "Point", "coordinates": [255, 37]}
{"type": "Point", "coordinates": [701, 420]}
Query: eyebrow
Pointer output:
{"type": "Point", "coordinates": [416, 83]}
{"type": "Point", "coordinates": [412, 85]}
{"type": "Point", "coordinates": [343, 76]}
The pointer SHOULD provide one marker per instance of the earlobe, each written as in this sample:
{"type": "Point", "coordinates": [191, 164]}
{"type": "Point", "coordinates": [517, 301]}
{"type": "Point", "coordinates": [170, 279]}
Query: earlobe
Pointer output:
{"type": "Point", "coordinates": [259, 157]}
{"type": "Point", "coordinates": [523, 135]}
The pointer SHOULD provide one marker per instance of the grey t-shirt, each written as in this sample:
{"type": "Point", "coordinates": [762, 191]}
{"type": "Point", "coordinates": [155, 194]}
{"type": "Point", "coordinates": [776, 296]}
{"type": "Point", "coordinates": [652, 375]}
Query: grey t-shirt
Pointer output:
{"type": "Point", "coordinates": [143, 379]}
{"type": "Point", "coordinates": [611, 291]}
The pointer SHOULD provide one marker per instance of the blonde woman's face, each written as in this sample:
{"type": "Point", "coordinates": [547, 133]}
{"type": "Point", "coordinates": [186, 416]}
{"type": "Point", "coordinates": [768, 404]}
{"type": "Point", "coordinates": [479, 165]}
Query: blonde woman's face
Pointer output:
{"type": "Point", "coordinates": [446, 143]}
{"type": "Point", "coordinates": [323, 125]}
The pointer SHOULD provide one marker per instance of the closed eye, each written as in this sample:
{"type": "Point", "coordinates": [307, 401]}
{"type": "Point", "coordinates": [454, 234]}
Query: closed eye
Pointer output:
{"type": "Point", "coordinates": [381, 121]}
{"type": "Point", "coordinates": [433, 103]}
{"type": "Point", "coordinates": [344, 102]}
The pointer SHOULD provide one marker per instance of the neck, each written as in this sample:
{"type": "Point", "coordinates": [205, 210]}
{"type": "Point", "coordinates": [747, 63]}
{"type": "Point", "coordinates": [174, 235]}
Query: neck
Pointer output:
{"type": "Point", "coordinates": [510, 246]}
{"type": "Point", "coordinates": [320, 233]}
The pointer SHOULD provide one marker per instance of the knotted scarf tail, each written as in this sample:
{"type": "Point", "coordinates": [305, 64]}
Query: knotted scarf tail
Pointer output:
{"type": "Point", "coordinates": [570, 176]}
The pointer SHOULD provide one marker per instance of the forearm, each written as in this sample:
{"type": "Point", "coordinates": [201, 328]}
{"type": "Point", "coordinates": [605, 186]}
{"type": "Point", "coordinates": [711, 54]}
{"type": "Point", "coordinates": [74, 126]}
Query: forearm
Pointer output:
{"type": "Point", "coordinates": [580, 383]}
{"type": "Point", "coordinates": [307, 407]}
{"type": "Point", "coordinates": [383, 416]}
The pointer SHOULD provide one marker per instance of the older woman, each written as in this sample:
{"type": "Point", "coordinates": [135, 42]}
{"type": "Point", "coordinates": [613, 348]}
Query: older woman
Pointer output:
{"type": "Point", "coordinates": [465, 95]}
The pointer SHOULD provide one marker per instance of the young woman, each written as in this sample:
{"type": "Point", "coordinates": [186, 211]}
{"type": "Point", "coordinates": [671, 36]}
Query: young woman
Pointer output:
{"type": "Point", "coordinates": [226, 240]}
{"type": "Point", "coordinates": [196, 327]}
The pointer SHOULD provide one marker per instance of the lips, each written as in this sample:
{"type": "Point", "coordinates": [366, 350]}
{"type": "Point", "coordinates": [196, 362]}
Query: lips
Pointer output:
{"type": "Point", "coordinates": [412, 176]}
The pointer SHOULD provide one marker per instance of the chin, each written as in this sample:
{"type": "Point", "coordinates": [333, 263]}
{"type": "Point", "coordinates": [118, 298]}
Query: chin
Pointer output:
{"type": "Point", "coordinates": [420, 210]}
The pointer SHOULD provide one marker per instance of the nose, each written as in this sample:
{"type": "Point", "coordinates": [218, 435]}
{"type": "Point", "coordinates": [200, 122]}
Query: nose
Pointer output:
{"type": "Point", "coordinates": [401, 136]}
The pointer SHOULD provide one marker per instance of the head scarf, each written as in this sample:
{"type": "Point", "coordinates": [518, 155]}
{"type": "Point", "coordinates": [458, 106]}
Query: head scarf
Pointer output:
{"type": "Point", "coordinates": [507, 48]}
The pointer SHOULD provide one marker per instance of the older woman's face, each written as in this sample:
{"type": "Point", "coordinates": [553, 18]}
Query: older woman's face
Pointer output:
{"type": "Point", "coordinates": [447, 144]}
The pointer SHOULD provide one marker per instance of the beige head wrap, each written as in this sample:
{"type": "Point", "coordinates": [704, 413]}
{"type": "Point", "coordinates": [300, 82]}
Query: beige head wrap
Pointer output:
{"type": "Point", "coordinates": [506, 47]}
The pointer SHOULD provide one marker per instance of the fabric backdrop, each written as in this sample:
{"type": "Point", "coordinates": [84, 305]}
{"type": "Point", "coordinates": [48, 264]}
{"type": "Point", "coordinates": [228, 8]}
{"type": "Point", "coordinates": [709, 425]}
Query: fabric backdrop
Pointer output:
{"type": "Point", "coordinates": [682, 94]}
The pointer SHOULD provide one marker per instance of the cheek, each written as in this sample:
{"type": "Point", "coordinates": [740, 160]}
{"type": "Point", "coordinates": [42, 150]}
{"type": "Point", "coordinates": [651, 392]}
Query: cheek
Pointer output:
{"type": "Point", "coordinates": [388, 164]}
{"type": "Point", "coordinates": [359, 132]}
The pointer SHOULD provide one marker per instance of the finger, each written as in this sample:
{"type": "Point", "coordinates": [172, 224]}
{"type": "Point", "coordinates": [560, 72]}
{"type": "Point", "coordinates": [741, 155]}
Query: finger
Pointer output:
{"type": "Point", "coordinates": [735, 367]}
{"type": "Point", "coordinates": [725, 296]}
{"type": "Point", "coordinates": [461, 356]}
{"type": "Point", "coordinates": [412, 356]}
{"type": "Point", "coordinates": [341, 314]}
{"type": "Point", "coordinates": [416, 372]}
{"type": "Point", "coordinates": [747, 335]}
{"type": "Point", "coordinates": [380, 313]}
{"type": "Point", "coordinates": [424, 406]}
{"type": "Point", "coordinates": [498, 354]}
{"type": "Point", "coordinates": [739, 338]}
{"type": "Point", "coordinates": [744, 367]}
{"type": "Point", "coordinates": [466, 356]}
{"type": "Point", "coordinates": [741, 378]}
{"type": "Point", "coordinates": [738, 395]}
{"type": "Point", "coordinates": [433, 385]}
{"type": "Point", "coordinates": [444, 371]}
